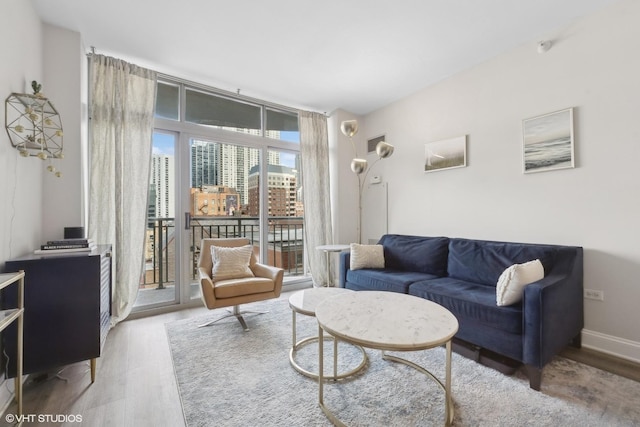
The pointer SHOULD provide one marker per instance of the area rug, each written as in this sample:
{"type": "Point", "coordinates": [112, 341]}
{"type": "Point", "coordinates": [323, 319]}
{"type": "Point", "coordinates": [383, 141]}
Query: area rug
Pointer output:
{"type": "Point", "coordinates": [228, 377]}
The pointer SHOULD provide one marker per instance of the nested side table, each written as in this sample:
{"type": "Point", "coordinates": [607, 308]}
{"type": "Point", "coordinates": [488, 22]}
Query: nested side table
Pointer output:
{"type": "Point", "coordinates": [388, 321]}
{"type": "Point", "coordinates": [305, 303]}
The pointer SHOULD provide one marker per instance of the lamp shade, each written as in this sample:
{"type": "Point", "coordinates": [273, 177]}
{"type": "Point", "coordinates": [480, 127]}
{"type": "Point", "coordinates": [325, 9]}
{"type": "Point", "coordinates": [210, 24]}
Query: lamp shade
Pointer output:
{"type": "Point", "coordinates": [358, 166]}
{"type": "Point", "coordinates": [384, 149]}
{"type": "Point", "coordinates": [349, 127]}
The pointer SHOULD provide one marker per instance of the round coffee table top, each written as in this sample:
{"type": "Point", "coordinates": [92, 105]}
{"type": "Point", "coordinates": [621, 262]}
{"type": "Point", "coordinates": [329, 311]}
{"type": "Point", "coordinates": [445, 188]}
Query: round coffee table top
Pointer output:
{"type": "Point", "coordinates": [306, 301]}
{"type": "Point", "coordinates": [387, 320]}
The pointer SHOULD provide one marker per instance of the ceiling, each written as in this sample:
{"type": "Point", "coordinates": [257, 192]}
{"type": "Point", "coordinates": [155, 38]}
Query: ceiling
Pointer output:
{"type": "Point", "coordinates": [358, 55]}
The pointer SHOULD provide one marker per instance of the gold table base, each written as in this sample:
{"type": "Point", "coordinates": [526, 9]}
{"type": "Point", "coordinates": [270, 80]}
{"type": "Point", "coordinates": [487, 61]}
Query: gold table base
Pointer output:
{"type": "Point", "coordinates": [446, 387]}
{"type": "Point", "coordinates": [296, 345]}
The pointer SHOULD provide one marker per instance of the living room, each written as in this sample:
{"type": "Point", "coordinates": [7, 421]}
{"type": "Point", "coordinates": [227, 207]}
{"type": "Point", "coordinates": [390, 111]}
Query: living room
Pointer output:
{"type": "Point", "coordinates": [591, 67]}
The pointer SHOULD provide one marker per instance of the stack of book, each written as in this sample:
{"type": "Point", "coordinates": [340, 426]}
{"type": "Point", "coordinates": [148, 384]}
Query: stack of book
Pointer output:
{"type": "Point", "coordinates": [66, 246]}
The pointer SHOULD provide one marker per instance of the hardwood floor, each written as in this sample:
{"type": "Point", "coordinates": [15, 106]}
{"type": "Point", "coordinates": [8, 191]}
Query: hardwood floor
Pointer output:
{"type": "Point", "coordinates": [622, 367]}
{"type": "Point", "coordinates": [135, 384]}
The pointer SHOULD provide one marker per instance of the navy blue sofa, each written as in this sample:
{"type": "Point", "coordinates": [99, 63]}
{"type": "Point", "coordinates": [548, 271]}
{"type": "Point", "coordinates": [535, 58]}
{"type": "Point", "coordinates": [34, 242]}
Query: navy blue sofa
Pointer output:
{"type": "Point", "coordinates": [461, 275]}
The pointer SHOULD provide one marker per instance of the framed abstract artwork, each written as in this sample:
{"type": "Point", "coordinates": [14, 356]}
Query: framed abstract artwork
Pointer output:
{"type": "Point", "coordinates": [445, 154]}
{"type": "Point", "coordinates": [548, 142]}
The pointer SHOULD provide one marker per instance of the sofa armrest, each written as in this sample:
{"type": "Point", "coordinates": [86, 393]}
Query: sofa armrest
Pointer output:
{"type": "Point", "coordinates": [345, 262]}
{"type": "Point", "coordinates": [553, 313]}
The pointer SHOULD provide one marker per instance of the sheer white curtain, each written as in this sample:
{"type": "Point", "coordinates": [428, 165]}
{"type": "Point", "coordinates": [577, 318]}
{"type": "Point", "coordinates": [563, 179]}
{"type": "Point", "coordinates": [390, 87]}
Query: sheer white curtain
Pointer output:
{"type": "Point", "coordinates": [314, 152]}
{"type": "Point", "coordinates": [122, 99]}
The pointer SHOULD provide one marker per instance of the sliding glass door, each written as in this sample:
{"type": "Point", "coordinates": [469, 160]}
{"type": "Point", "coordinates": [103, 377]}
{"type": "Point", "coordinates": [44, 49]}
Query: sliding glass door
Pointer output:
{"type": "Point", "coordinates": [158, 282]}
{"type": "Point", "coordinates": [221, 167]}
{"type": "Point", "coordinates": [221, 202]}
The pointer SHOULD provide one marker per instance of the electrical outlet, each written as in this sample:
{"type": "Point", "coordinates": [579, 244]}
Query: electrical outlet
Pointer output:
{"type": "Point", "coordinates": [594, 294]}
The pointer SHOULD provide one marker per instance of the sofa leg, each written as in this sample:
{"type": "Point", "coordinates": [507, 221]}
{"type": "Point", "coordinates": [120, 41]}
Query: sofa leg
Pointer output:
{"type": "Point", "coordinates": [577, 341]}
{"type": "Point", "coordinates": [535, 376]}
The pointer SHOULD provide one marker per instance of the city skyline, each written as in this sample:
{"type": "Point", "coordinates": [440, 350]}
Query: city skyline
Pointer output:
{"type": "Point", "coordinates": [219, 165]}
{"type": "Point", "coordinates": [163, 144]}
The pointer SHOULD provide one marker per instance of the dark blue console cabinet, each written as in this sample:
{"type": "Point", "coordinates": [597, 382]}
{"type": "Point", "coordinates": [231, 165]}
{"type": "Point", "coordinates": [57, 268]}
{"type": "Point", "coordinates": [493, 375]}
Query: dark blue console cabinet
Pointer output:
{"type": "Point", "coordinates": [67, 300]}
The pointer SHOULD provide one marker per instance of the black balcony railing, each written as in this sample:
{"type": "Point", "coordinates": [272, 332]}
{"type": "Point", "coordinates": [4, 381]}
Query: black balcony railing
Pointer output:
{"type": "Point", "coordinates": [285, 246]}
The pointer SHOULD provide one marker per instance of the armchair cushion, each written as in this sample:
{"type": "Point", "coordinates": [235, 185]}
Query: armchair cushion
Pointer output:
{"type": "Point", "coordinates": [231, 262]}
{"type": "Point", "coordinates": [240, 287]}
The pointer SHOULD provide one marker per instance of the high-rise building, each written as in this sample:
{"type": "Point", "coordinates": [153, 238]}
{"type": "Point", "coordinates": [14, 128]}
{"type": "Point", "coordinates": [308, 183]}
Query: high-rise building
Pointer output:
{"type": "Point", "coordinates": [282, 189]}
{"type": "Point", "coordinates": [204, 163]}
{"type": "Point", "coordinates": [226, 165]}
{"type": "Point", "coordinates": [162, 178]}
{"type": "Point", "coordinates": [231, 166]}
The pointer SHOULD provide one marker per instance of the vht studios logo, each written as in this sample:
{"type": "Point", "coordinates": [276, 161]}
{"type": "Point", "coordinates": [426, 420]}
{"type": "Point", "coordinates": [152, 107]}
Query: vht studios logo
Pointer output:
{"type": "Point", "coordinates": [43, 418]}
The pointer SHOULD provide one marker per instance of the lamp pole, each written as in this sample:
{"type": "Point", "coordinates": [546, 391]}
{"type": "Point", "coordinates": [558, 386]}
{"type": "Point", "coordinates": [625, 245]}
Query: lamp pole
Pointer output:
{"type": "Point", "coordinates": [359, 166]}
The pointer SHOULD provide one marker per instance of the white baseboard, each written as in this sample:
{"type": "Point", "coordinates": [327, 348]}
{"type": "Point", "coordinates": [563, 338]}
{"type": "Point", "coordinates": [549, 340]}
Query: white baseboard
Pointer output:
{"type": "Point", "coordinates": [615, 346]}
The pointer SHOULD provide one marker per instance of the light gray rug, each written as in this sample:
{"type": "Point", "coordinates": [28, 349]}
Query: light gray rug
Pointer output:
{"type": "Point", "coordinates": [228, 377]}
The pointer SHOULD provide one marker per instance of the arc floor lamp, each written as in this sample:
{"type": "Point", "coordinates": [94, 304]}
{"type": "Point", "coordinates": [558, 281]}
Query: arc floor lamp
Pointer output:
{"type": "Point", "coordinates": [360, 166]}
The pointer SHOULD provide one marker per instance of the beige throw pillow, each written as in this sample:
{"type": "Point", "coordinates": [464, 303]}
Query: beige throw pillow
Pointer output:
{"type": "Point", "coordinates": [366, 256]}
{"type": "Point", "coordinates": [231, 263]}
{"type": "Point", "coordinates": [512, 281]}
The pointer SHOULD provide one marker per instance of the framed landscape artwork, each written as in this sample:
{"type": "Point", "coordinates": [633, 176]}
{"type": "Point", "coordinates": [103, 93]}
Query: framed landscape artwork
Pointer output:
{"type": "Point", "coordinates": [548, 142]}
{"type": "Point", "coordinates": [445, 154]}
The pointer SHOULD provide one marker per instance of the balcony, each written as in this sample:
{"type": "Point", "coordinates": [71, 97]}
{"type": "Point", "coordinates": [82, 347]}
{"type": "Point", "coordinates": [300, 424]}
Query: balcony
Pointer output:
{"type": "Point", "coordinates": [285, 249]}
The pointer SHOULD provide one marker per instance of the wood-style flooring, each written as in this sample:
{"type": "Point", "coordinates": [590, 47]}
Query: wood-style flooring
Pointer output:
{"type": "Point", "coordinates": [135, 383]}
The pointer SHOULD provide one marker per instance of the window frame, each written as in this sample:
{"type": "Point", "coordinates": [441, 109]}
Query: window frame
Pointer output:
{"type": "Point", "coordinates": [187, 130]}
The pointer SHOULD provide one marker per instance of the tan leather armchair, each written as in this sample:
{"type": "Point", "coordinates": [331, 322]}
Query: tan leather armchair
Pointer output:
{"type": "Point", "coordinates": [266, 284]}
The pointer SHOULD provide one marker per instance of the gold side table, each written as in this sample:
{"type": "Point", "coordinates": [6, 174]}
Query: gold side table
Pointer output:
{"type": "Point", "coordinates": [328, 250]}
{"type": "Point", "coordinates": [7, 317]}
{"type": "Point", "coordinates": [305, 303]}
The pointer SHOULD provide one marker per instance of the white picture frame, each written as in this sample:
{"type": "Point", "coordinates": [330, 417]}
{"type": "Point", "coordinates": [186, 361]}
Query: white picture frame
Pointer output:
{"type": "Point", "coordinates": [445, 154]}
{"type": "Point", "coordinates": [548, 142]}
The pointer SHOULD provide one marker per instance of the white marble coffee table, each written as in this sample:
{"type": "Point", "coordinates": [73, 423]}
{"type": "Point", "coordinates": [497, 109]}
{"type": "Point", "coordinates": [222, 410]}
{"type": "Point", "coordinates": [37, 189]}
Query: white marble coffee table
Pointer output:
{"type": "Point", "coordinates": [387, 321]}
{"type": "Point", "coordinates": [305, 303]}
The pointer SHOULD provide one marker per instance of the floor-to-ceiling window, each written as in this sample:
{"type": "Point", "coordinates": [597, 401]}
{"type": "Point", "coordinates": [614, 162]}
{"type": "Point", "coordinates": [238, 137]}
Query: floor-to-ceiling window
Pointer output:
{"type": "Point", "coordinates": [222, 166]}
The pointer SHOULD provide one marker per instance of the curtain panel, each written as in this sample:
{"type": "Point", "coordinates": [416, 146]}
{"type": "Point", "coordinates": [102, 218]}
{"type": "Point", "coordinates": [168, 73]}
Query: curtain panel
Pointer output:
{"type": "Point", "coordinates": [314, 153]}
{"type": "Point", "coordinates": [122, 101]}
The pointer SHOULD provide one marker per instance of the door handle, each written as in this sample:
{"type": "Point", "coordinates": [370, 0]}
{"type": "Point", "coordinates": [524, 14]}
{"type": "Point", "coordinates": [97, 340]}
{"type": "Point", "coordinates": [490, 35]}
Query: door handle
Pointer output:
{"type": "Point", "coordinates": [187, 220]}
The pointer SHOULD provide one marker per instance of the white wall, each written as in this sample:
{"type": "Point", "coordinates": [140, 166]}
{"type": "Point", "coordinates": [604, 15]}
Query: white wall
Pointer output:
{"type": "Point", "coordinates": [20, 178]}
{"type": "Point", "coordinates": [594, 67]}
{"type": "Point", "coordinates": [64, 66]}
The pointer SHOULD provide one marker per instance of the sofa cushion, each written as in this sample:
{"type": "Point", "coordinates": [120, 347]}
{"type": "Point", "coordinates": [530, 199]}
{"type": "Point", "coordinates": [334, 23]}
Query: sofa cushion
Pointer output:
{"type": "Point", "coordinates": [470, 301]}
{"type": "Point", "coordinates": [415, 253]}
{"type": "Point", "coordinates": [366, 256]}
{"type": "Point", "coordinates": [512, 281]}
{"type": "Point", "coordinates": [483, 262]}
{"type": "Point", "coordinates": [383, 280]}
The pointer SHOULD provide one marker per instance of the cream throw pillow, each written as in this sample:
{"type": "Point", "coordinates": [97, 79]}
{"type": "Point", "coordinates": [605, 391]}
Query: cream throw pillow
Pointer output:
{"type": "Point", "coordinates": [512, 281]}
{"type": "Point", "coordinates": [366, 256]}
{"type": "Point", "coordinates": [231, 263]}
